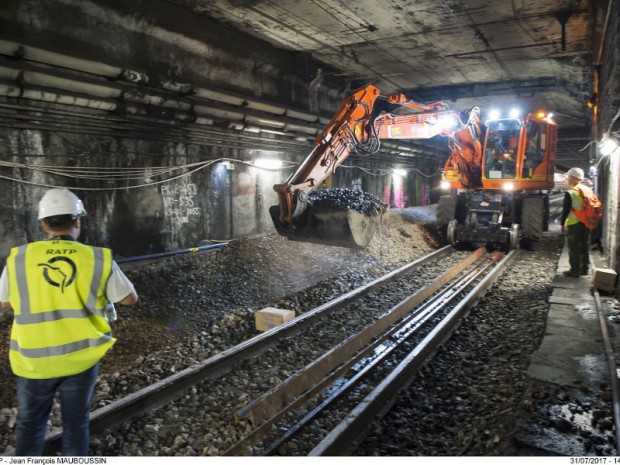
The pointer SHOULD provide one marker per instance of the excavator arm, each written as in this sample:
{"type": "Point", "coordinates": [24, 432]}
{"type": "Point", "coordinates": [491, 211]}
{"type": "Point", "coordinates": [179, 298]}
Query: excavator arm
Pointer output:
{"type": "Point", "coordinates": [355, 128]}
{"type": "Point", "coordinates": [339, 139]}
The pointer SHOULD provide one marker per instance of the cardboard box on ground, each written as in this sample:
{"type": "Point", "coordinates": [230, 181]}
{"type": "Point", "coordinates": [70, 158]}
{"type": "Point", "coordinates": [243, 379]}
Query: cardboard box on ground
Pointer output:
{"type": "Point", "coordinates": [271, 317]}
{"type": "Point", "coordinates": [605, 279]}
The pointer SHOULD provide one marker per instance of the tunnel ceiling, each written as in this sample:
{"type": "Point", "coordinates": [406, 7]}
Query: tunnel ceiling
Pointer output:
{"type": "Point", "coordinates": [492, 54]}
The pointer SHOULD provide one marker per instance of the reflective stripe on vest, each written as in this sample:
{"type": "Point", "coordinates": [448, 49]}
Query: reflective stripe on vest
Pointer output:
{"type": "Point", "coordinates": [576, 200]}
{"type": "Point", "coordinates": [56, 289]}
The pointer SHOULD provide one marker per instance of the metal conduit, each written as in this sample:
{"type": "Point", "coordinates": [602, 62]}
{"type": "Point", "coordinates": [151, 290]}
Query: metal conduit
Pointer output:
{"type": "Point", "coordinates": [172, 253]}
{"type": "Point", "coordinates": [226, 142]}
{"type": "Point", "coordinates": [172, 127]}
{"type": "Point", "coordinates": [150, 130]}
{"type": "Point", "coordinates": [93, 94]}
{"type": "Point", "coordinates": [611, 364]}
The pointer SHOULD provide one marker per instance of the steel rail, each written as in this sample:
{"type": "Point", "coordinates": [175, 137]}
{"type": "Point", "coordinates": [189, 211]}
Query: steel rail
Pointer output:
{"type": "Point", "coordinates": [611, 363]}
{"type": "Point", "coordinates": [277, 397]}
{"type": "Point", "coordinates": [306, 383]}
{"type": "Point", "coordinates": [429, 310]}
{"type": "Point", "coordinates": [347, 435]}
{"type": "Point", "coordinates": [169, 389]}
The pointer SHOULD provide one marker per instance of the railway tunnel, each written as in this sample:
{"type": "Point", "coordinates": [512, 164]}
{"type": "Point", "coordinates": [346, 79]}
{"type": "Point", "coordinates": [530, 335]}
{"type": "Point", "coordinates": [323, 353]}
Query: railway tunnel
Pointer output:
{"type": "Point", "coordinates": [188, 128]}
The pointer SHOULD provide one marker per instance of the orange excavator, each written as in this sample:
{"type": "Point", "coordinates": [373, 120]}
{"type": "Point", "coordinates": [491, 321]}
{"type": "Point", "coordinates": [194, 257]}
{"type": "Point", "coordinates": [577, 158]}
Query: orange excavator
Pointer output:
{"type": "Point", "coordinates": [498, 174]}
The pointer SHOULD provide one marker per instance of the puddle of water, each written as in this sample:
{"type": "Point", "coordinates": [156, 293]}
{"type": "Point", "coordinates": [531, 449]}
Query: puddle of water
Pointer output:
{"type": "Point", "coordinates": [587, 312]}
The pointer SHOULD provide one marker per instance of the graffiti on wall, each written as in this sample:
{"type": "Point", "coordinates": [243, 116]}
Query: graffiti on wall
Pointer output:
{"type": "Point", "coordinates": [180, 201]}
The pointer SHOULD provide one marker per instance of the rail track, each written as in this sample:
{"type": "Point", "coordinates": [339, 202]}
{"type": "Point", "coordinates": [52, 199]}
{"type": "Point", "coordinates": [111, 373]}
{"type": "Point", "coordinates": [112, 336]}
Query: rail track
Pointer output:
{"type": "Point", "coordinates": [401, 336]}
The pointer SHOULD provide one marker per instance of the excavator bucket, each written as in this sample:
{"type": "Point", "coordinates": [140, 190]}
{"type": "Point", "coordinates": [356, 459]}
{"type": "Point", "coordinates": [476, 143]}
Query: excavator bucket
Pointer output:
{"type": "Point", "coordinates": [340, 217]}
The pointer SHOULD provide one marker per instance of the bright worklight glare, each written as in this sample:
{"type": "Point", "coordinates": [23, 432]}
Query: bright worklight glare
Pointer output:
{"type": "Point", "coordinates": [549, 115]}
{"type": "Point", "coordinates": [494, 114]}
{"type": "Point", "coordinates": [608, 146]}
{"type": "Point", "coordinates": [515, 112]}
{"type": "Point", "coordinates": [445, 185]}
{"type": "Point", "coordinates": [399, 172]}
{"type": "Point", "coordinates": [268, 163]}
{"type": "Point", "coordinates": [541, 114]}
{"type": "Point", "coordinates": [447, 122]}
{"type": "Point", "coordinates": [509, 186]}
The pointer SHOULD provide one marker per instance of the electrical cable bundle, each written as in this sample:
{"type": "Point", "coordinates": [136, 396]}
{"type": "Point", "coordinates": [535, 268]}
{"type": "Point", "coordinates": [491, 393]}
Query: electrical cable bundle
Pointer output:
{"type": "Point", "coordinates": [119, 174]}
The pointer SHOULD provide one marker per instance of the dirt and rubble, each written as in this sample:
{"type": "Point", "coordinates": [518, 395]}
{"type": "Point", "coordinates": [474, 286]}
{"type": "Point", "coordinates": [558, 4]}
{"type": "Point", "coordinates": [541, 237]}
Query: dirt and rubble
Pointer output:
{"type": "Point", "coordinates": [195, 306]}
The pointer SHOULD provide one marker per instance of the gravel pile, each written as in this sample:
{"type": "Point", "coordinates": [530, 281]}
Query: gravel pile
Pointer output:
{"type": "Point", "coordinates": [216, 431]}
{"type": "Point", "coordinates": [194, 306]}
{"type": "Point", "coordinates": [466, 401]}
{"type": "Point", "coordinates": [347, 199]}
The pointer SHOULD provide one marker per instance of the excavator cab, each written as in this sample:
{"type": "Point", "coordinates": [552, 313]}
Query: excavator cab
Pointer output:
{"type": "Point", "coordinates": [509, 204]}
{"type": "Point", "coordinates": [519, 154]}
{"type": "Point", "coordinates": [502, 148]}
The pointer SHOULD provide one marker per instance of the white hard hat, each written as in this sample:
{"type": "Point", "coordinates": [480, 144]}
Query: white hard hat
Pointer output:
{"type": "Point", "coordinates": [576, 173]}
{"type": "Point", "coordinates": [60, 201]}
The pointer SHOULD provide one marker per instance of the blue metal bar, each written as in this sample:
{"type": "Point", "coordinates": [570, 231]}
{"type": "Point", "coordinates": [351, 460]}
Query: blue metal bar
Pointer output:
{"type": "Point", "coordinates": [172, 253]}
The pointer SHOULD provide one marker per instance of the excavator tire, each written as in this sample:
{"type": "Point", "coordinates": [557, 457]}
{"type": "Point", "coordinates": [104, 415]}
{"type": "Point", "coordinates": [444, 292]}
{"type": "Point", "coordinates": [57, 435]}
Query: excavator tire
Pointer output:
{"type": "Point", "coordinates": [532, 219]}
{"type": "Point", "coordinates": [446, 208]}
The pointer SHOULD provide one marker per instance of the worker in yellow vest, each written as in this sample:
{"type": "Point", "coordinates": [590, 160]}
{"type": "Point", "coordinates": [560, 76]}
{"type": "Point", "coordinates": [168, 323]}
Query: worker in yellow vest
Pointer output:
{"type": "Point", "coordinates": [577, 234]}
{"type": "Point", "coordinates": [58, 289]}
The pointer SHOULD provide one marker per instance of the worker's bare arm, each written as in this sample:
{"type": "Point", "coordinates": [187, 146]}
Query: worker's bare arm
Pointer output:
{"type": "Point", "coordinates": [131, 299]}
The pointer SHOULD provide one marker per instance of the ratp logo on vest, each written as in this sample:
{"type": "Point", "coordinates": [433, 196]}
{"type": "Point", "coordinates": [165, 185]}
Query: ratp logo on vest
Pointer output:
{"type": "Point", "coordinates": [59, 271]}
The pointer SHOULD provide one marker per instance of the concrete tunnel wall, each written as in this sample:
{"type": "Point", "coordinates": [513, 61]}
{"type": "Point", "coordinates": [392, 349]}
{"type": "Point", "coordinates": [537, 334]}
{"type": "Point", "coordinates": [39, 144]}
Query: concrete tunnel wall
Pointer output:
{"type": "Point", "coordinates": [609, 107]}
{"type": "Point", "coordinates": [171, 45]}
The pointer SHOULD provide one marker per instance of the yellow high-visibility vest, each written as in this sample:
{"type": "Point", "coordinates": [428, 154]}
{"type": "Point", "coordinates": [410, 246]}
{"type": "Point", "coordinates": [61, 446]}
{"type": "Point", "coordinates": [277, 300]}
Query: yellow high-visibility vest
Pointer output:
{"type": "Point", "coordinates": [56, 289]}
{"type": "Point", "coordinates": [576, 201]}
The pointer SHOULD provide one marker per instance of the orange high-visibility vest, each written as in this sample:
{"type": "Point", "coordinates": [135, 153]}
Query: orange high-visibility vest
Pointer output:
{"type": "Point", "coordinates": [576, 200]}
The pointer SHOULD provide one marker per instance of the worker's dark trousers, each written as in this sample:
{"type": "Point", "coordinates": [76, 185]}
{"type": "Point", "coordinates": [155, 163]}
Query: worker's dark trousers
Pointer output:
{"type": "Point", "coordinates": [34, 403]}
{"type": "Point", "coordinates": [578, 241]}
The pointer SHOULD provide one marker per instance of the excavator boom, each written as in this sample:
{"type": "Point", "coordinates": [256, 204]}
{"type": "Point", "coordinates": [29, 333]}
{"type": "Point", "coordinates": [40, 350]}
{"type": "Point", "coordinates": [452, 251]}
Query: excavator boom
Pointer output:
{"type": "Point", "coordinates": [301, 215]}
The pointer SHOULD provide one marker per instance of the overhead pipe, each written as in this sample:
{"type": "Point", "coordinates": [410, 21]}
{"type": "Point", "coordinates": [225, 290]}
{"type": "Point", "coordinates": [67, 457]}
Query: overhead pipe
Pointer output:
{"type": "Point", "coordinates": [37, 79]}
{"type": "Point", "coordinates": [57, 79]}
{"type": "Point", "coordinates": [241, 125]}
{"type": "Point", "coordinates": [47, 95]}
{"type": "Point", "coordinates": [17, 50]}
{"type": "Point", "coordinates": [242, 101]}
{"type": "Point", "coordinates": [219, 96]}
{"type": "Point", "coordinates": [135, 95]}
{"type": "Point", "coordinates": [40, 55]}
{"type": "Point", "coordinates": [308, 117]}
{"type": "Point", "coordinates": [172, 253]}
{"type": "Point", "coordinates": [155, 100]}
{"type": "Point", "coordinates": [9, 74]}
{"type": "Point", "coordinates": [56, 82]}
{"type": "Point", "coordinates": [218, 113]}
{"type": "Point", "coordinates": [165, 136]}
{"type": "Point", "coordinates": [266, 107]}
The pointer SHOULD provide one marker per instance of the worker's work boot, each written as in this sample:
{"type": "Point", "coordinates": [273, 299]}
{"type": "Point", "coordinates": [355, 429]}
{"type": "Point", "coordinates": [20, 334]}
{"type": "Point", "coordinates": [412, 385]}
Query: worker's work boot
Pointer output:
{"type": "Point", "coordinates": [570, 274]}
